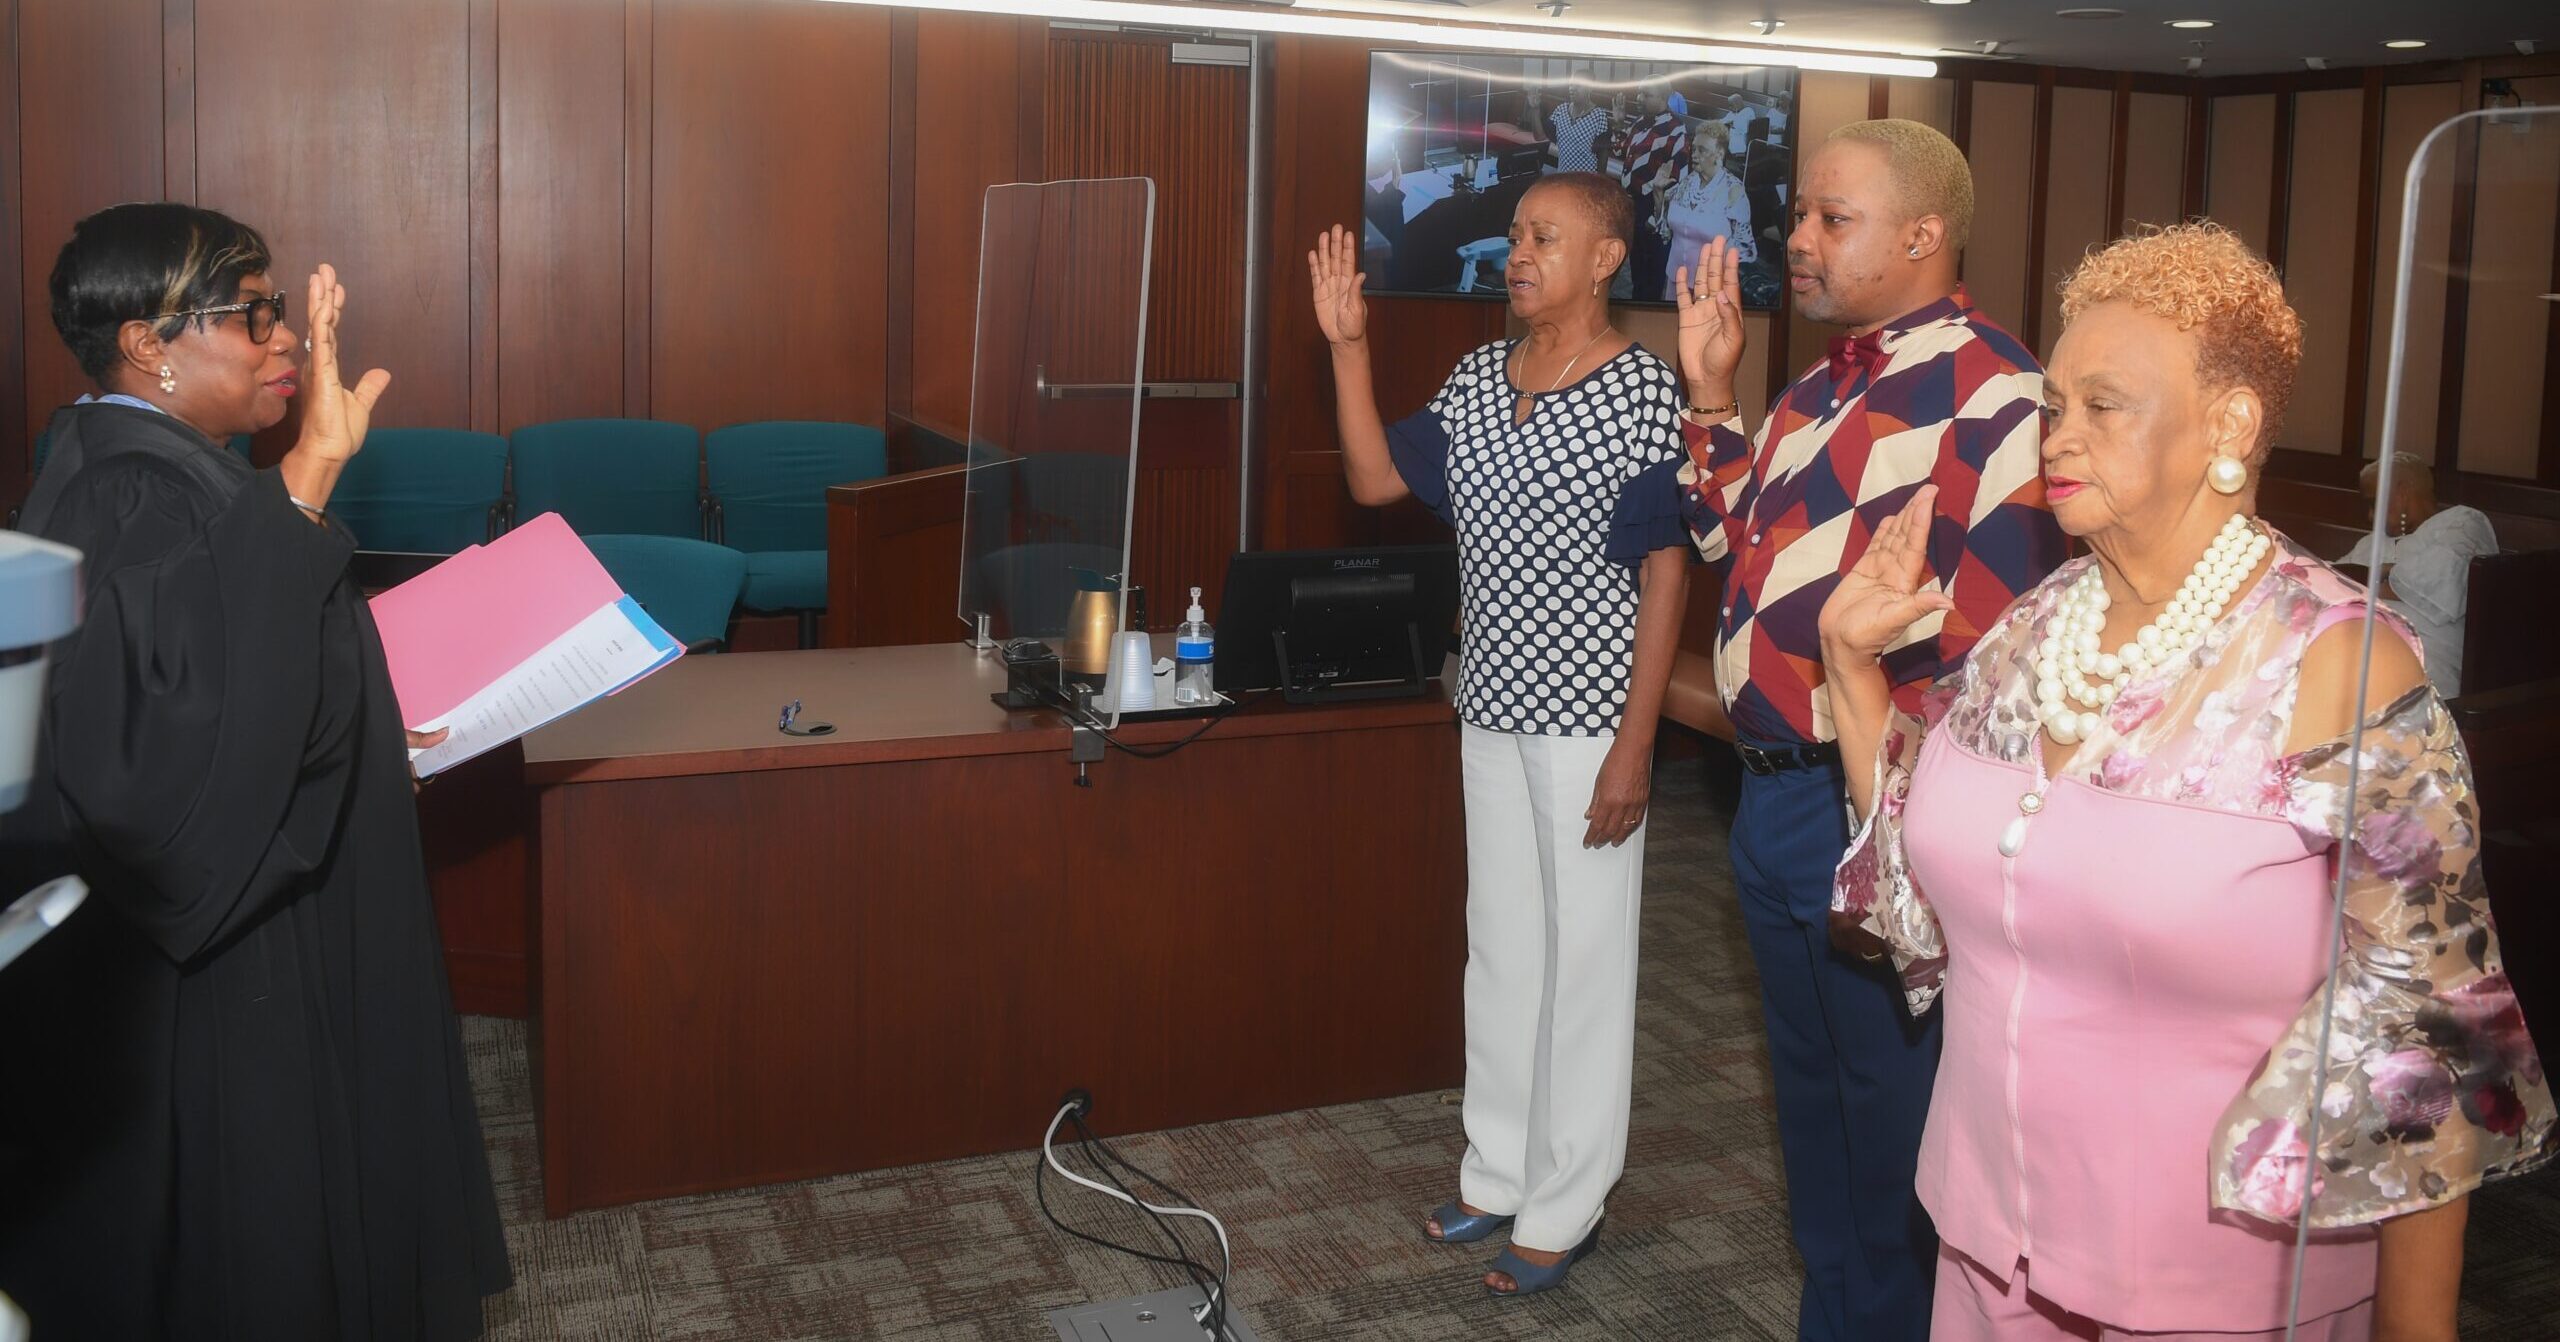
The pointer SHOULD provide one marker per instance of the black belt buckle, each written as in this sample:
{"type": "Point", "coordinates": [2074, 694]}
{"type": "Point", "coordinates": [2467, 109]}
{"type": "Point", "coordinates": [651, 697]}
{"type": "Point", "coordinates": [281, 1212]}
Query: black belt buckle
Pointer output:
{"type": "Point", "coordinates": [1766, 762]}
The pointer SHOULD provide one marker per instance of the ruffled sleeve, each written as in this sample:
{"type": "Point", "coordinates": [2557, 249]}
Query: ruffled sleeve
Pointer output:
{"type": "Point", "coordinates": [1418, 444]}
{"type": "Point", "coordinates": [1649, 515]}
{"type": "Point", "coordinates": [1874, 891]}
{"type": "Point", "coordinates": [2433, 1085]}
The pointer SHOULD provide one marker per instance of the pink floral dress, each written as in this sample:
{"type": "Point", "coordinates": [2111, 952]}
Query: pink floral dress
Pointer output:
{"type": "Point", "coordinates": [2133, 981]}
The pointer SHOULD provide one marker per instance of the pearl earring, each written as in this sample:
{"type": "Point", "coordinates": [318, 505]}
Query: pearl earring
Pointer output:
{"type": "Point", "coordinates": [2226, 475]}
{"type": "Point", "coordinates": [168, 380]}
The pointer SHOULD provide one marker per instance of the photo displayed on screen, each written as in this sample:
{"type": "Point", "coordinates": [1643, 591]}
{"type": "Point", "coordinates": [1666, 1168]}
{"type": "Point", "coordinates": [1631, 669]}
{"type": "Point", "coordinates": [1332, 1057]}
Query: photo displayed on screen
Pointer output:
{"type": "Point", "coordinates": [1455, 138]}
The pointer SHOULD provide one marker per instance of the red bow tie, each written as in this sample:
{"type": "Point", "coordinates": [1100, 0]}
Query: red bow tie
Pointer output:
{"type": "Point", "coordinates": [1851, 355]}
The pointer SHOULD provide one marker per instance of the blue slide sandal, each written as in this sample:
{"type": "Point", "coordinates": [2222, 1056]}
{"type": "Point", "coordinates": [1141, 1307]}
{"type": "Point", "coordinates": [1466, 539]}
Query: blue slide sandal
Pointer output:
{"type": "Point", "coordinates": [1529, 1278]}
{"type": "Point", "coordinates": [1456, 1227]}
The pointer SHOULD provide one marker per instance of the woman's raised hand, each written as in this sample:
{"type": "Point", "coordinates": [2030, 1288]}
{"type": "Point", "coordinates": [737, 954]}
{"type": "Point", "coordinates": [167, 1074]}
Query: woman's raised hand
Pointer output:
{"type": "Point", "coordinates": [1710, 300]}
{"type": "Point", "coordinates": [1334, 266]}
{"type": "Point", "coordinates": [1881, 597]}
{"type": "Point", "coordinates": [334, 415]}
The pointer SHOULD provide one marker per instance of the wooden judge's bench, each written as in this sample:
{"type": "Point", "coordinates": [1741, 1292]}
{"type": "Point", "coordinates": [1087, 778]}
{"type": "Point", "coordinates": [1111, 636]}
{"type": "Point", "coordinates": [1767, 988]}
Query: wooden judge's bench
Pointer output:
{"type": "Point", "coordinates": [753, 957]}
{"type": "Point", "coordinates": [766, 957]}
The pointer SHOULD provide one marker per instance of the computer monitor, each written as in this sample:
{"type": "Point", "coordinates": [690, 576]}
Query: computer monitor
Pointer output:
{"type": "Point", "coordinates": [1323, 625]}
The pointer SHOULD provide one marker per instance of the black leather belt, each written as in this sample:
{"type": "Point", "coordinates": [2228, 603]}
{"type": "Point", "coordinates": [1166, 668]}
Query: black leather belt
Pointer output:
{"type": "Point", "coordinates": [1814, 756]}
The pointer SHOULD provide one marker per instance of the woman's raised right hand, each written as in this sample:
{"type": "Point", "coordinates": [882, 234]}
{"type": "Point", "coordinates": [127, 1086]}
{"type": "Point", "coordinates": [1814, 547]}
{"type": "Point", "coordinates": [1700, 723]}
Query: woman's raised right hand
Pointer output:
{"type": "Point", "coordinates": [1710, 300]}
{"type": "Point", "coordinates": [1334, 266]}
{"type": "Point", "coordinates": [1883, 595]}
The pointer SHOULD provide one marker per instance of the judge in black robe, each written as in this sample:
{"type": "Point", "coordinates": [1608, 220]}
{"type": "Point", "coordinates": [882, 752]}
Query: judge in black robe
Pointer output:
{"type": "Point", "coordinates": [239, 1108]}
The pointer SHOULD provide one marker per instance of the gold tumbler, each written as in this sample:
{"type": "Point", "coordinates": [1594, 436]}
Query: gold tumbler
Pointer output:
{"type": "Point", "coordinates": [1092, 618]}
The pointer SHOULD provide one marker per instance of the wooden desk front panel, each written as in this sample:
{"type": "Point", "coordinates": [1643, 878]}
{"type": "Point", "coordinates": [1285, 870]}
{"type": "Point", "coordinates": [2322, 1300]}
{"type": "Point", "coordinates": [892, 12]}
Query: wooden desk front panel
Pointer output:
{"type": "Point", "coordinates": [759, 976]}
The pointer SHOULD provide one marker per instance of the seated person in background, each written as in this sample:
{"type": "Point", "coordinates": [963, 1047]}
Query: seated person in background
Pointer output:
{"type": "Point", "coordinates": [2424, 570]}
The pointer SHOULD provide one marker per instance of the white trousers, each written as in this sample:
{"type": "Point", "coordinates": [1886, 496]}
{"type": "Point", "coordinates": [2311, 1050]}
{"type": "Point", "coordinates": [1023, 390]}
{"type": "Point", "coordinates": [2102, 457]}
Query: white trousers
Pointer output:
{"type": "Point", "coordinates": [1550, 986]}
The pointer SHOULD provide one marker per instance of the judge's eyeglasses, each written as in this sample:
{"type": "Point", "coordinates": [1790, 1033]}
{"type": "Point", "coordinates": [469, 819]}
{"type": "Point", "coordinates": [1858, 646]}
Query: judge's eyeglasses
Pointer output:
{"type": "Point", "coordinates": [262, 314]}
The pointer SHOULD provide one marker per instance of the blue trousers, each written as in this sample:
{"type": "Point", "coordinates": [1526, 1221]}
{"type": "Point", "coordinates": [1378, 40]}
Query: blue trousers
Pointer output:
{"type": "Point", "coordinates": [1852, 1072]}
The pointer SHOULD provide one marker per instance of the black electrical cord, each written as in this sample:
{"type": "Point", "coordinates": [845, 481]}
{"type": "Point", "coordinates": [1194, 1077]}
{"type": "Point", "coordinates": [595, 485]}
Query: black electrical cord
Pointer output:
{"type": "Point", "coordinates": [1159, 752]}
{"type": "Point", "coordinates": [1091, 720]}
{"type": "Point", "coordinates": [1217, 1299]}
{"type": "Point", "coordinates": [1200, 1273]}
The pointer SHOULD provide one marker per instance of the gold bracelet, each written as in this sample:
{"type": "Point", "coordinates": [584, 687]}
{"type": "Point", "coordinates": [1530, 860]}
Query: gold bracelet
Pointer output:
{"type": "Point", "coordinates": [1711, 411]}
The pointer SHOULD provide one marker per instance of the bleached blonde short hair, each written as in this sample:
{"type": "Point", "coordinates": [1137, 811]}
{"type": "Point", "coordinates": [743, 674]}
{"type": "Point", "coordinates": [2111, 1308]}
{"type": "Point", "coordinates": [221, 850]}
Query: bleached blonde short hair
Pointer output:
{"type": "Point", "coordinates": [2207, 282]}
{"type": "Point", "coordinates": [1930, 175]}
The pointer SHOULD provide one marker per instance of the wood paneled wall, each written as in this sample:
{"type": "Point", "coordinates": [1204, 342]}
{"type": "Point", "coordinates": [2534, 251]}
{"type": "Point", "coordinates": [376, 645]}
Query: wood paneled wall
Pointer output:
{"type": "Point", "coordinates": [615, 218]}
{"type": "Point", "coordinates": [1319, 108]}
{"type": "Point", "coordinates": [1118, 106]}
{"type": "Point", "coordinates": [711, 210]}
{"type": "Point", "coordinates": [768, 228]}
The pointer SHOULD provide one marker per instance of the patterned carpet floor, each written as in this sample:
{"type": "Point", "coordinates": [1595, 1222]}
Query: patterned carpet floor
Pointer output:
{"type": "Point", "coordinates": [1322, 1204]}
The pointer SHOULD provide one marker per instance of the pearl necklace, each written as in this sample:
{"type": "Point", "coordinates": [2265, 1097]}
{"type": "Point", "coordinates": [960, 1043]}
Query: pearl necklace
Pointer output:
{"type": "Point", "coordinates": [2074, 679]}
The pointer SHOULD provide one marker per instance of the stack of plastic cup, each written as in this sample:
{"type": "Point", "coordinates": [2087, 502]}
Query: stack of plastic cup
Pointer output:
{"type": "Point", "coordinates": [1133, 673]}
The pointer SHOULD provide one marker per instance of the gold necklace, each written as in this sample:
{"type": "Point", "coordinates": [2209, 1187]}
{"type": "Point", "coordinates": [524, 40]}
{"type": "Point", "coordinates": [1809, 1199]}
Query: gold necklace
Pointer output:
{"type": "Point", "coordinates": [1569, 363]}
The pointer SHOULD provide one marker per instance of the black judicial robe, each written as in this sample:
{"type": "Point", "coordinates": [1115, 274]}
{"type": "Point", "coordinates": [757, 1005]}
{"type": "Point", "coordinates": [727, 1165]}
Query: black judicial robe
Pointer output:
{"type": "Point", "coordinates": [232, 1096]}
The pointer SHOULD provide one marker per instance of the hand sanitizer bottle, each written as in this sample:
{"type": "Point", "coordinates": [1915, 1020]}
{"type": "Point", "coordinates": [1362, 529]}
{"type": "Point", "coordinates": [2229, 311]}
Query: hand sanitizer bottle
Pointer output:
{"type": "Point", "coordinates": [1194, 652]}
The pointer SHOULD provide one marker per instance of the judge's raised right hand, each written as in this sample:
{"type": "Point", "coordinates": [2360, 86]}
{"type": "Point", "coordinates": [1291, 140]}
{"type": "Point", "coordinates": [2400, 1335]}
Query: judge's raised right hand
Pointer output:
{"type": "Point", "coordinates": [335, 416]}
{"type": "Point", "coordinates": [1710, 299]}
{"type": "Point", "coordinates": [1334, 267]}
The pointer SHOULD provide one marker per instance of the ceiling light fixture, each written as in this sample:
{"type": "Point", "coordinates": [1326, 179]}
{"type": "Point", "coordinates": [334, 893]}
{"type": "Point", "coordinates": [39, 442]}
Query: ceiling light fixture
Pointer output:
{"type": "Point", "coordinates": [1474, 37]}
{"type": "Point", "coordinates": [1950, 2]}
{"type": "Point", "coordinates": [2404, 44]}
{"type": "Point", "coordinates": [2316, 62]}
{"type": "Point", "coordinates": [2190, 23]}
{"type": "Point", "coordinates": [2088, 12]}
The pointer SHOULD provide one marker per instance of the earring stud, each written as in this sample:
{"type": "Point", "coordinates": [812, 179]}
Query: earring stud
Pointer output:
{"type": "Point", "coordinates": [168, 379]}
{"type": "Point", "coordinates": [2226, 475]}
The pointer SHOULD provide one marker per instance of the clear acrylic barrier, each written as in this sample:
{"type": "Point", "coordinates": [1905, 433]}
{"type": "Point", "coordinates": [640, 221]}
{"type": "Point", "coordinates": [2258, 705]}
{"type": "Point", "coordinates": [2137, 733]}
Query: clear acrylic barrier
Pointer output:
{"type": "Point", "coordinates": [2405, 1058]}
{"type": "Point", "coordinates": [1053, 411]}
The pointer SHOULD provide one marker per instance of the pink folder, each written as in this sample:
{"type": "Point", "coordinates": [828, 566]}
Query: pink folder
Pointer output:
{"type": "Point", "coordinates": [453, 629]}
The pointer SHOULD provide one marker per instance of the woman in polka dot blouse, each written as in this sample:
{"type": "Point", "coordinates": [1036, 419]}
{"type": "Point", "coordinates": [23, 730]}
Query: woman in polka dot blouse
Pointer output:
{"type": "Point", "coordinates": [1565, 655]}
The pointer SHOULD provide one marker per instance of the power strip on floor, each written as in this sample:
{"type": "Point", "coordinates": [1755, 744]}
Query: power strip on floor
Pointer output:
{"type": "Point", "coordinates": [1162, 1317]}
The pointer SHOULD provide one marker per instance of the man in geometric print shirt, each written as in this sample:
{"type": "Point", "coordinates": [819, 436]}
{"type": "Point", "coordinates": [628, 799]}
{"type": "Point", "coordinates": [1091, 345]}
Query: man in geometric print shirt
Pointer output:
{"type": "Point", "coordinates": [1921, 390]}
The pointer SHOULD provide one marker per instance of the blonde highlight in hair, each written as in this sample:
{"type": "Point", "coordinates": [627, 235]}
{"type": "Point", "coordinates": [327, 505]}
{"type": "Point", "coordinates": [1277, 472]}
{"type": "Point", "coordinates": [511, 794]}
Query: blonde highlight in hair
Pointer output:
{"type": "Point", "coordinates": [2203, 279]}
{"type": "Point", "coordinates": [1930, 175]}
{"type": "Point", "coordinates": [207, 259]}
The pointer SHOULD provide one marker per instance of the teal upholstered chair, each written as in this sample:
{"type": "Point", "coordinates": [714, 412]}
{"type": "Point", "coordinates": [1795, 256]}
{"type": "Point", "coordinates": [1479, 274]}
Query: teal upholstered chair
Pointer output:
{"type": "Point", "coordinates": [424, 491]}
{"type": "Point", "coordinates": [688, 586]}
{"type": "Point", "coordinates": [769, 499]}
{"type": "Point", "coordinates": [622, 477]}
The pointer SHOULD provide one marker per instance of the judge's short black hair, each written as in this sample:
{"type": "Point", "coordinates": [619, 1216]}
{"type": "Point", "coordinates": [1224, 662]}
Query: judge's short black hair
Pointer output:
{"type": "Point", "coordinates": [137, 262]}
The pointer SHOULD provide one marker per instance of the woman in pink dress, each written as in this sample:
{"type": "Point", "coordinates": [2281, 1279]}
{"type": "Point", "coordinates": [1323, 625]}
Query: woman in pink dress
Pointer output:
{"type": "Point", "coordinates": [2107, 844]}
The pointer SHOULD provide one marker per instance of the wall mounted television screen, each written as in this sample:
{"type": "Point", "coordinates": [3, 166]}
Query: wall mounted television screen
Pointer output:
{"type": "Point", "coordinates": [1455, 139]}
